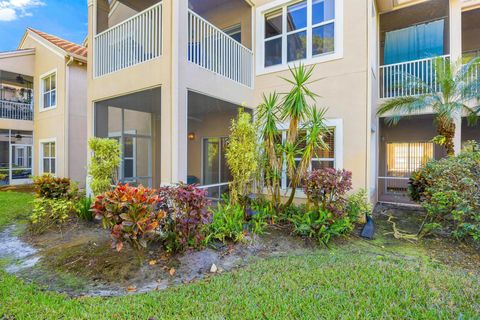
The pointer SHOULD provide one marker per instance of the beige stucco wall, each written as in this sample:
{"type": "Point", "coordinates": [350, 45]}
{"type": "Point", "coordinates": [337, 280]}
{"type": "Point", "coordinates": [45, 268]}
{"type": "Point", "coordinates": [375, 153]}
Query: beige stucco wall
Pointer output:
{"type": "Point", "coordinates": [22, 63]}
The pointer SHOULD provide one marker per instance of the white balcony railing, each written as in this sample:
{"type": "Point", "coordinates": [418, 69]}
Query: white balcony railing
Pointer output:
{"type": "Point", "coordinates": [214, 50]}
{"type": "Point", "coordinates": [133, 41]}
{"type": "Point", "coordinates": [16, 110]}
{"type": "Point", "coordinates": [394, 76]}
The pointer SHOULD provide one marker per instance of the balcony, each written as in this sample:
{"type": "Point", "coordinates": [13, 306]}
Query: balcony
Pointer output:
{"type": "Point", "coordinates": [16, 110]}
{"type": "Point", "coordinates": [216, 51]}
{"type": "Point", "coordinates": [133, 41]}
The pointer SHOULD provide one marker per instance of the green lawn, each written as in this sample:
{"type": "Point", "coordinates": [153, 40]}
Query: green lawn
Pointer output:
{"type": "Point", "coordinates": [14, 206]}
{"type": "Point", "coordinates": [351, 281]}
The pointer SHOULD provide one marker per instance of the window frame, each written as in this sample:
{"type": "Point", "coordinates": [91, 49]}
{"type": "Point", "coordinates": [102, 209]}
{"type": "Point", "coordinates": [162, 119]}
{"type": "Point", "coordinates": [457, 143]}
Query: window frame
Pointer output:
{"type": "Point", "coordinates": [42, 156]}
{"type": "Point", "coordinates": [42, 93]}
{"type": "Point", "coordinates": [337, 126]}
{"type": "Point", "coordinates": [261, 11]}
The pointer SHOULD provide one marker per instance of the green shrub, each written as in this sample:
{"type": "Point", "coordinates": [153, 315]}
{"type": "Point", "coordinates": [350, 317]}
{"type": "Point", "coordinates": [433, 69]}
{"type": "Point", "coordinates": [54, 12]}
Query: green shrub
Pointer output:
{"type": "Point", "coordinates": [84, 209]}
{"type": "Point", "coordinates": [449, 190]}
{"type": "Point", "coordinates": [358, 205]}
{"type": "Point", "coordinates": [104, 164]}
{"type": "Point", "coordinates": [321, 224]}
{"type": "Point", "coordinates": [242, 154]}
{"type": "Point", "coordinates": [227, 223]}
{"type": "Point", "coordinates": [3, 176]}
{"type": "Point", "coordinates": [50, 212]}
{"type": "Point", "coordinates": [50, 187]}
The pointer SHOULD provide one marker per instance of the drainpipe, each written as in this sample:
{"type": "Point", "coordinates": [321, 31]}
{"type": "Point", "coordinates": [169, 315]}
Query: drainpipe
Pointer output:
{"type": "Point", "coordinates": [67, 117]}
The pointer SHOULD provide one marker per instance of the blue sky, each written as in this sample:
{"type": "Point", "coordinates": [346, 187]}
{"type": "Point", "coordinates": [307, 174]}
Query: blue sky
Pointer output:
{"type": "Point", "coordinates": [64, 18]}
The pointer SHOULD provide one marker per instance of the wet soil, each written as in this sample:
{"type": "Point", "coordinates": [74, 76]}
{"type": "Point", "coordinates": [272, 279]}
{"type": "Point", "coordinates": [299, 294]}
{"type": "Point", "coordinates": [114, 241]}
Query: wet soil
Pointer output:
{"type": "Point", "coordinates": [79, 260]}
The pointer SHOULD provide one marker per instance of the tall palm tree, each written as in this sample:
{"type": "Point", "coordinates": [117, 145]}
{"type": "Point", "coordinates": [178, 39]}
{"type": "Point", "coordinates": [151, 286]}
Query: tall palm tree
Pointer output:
{"type": "Point", "coordinates": [451, 94]}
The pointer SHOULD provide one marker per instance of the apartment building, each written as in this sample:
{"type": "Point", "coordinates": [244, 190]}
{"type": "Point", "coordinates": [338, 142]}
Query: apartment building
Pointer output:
{"type": "Point", "coordinates": [43, 119]}
{"type": "Point", "coordinates": [165, 78]}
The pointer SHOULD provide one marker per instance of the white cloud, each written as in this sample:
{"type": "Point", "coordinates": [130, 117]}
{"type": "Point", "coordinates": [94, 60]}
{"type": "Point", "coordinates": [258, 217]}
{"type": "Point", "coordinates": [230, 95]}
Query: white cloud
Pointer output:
{"type": "Point", "coordinates": [13, 9]}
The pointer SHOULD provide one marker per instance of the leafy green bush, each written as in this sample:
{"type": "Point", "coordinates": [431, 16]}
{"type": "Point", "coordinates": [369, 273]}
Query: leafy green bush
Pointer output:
{"type": "Point", "coordinates": [104, 164]}
{"type": "Point", "coordinates": [50, 187]}
{"type": "Point", "coordinates": [227, 223]}
{"type": "Point", "coordinates": [449, 190]}
{"type": "Point", "coordinates": [130, 214]}
{"type": "Point", "coordinates": [321, 224]}
{"type": "Point", "coordinates": [84, 209]}
{"type": "Point", "coordinates": [50, 212]}
{"type": "Point", "coordinates": [3, 176]}
{"type": "Point", "coordinates": [358, 205]}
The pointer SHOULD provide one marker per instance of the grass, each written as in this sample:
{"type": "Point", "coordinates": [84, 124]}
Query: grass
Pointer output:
{"type": "Point", "coordinates": [14, 206]}
{"type": "Point", "coordinates": [352, 281]}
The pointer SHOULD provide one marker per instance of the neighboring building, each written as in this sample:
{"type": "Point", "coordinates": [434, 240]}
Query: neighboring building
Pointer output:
{"type": "Point", "coordinates": [166, 77]}
{"type": "Point", "coordinates": [43, 88]}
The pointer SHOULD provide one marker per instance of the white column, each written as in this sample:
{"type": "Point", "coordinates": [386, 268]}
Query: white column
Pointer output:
{"type": "Point", "coordinates": [455, 39]}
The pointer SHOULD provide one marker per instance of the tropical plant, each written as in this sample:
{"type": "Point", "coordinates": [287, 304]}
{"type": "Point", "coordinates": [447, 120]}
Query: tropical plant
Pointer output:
{"type": "Point", "coordinates": [227, 223]}
{"type": "Point", "coordinates": [130, 213]}
{"type": "Point", "coordinates": [304, 136]}
{"type": "Point", "coordinates": [326, 188]}
{"type": "Point", "coordinates": [104, 164]}
{"type": "Point", "coordinates": [359, 205]}
{"type": "Point", "coordinates": [48, 212]}
{"type": "Point", "coordinates": [448, 97]}
{"type": "Point", "coordinates": [242, 154]}
{"type": "Point", "coordinates": [83, 208]}
{"type": "Point", "coordinates": [50, 187]}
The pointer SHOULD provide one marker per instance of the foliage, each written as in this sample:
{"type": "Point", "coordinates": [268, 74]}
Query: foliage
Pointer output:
{"type": "Point", "coordinates": [227, 223]}
{"type": "Point", "coordinates": [242, 154]}
{"type": "Point", "coordinates": [83, 208]}
{"type": "Point", "coordinates": [130, 214]}
{"type": "Point", "coordinates": [50, 212]}
{"type": "Point", "coordinates": [304, 136]}
{"type": "Point", "coordinates": [14, 206]}
{"type": "Point", "coordinates": [455, 85]}
{"type": "Point", "coordinates": [3, 176]}
{"type": "Point", "coordinates": [187, 214]}
{"type": "Point", "coordinates": [104, 164]}
{"type": "Point", "coordinates": [326, 188]}
{"type": "Point", "coordinates": [50, 187]}
{"type": "Point", "coordinates": [359, 205]}
{"type": "Point", "coordinates": [449, 190]}
{"type": "Point", "coordinates": [322, 224]}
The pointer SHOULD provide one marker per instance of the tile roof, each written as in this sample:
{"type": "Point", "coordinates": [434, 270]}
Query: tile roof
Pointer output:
{"type": "Point", "coordinates": [63, 44]}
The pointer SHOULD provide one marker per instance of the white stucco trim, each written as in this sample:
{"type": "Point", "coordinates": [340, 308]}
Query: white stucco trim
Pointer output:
{"type": "Point", "coordinates": [260, 32]}
{"type": "Point", "coordinates": [40, 154]}
{"type": "Point", "coordinates": [40, 92]}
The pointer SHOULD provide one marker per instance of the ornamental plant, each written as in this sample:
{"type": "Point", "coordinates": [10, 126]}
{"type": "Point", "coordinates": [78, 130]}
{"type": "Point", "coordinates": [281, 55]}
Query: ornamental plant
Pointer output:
{"type": "Point", "coordinates": [242, 154]}
{"type": "Point", "coordinates": [104, 164]}
{"type": "Point", "coordinates": [50, 187]}
{"type": "Point", "coordinates": [48, 213]}
{"type": "Point", "coordinates": [326, 188]}
{"type": "Point", "coordinates": [131, 215]}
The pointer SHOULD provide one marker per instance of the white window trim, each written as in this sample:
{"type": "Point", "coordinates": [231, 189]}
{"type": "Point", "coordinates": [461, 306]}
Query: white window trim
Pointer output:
{"type": "Point", "coordinates": [40, 153]}
{"type": "Point", "coordinates": [41, 91]}
{"type": "Point", "coordinates": [260, 39]}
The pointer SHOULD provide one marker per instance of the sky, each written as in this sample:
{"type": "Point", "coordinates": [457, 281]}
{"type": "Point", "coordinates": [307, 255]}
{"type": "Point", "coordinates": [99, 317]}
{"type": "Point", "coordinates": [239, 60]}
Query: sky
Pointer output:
{"type": "Point", "coordinates": [66, 19]}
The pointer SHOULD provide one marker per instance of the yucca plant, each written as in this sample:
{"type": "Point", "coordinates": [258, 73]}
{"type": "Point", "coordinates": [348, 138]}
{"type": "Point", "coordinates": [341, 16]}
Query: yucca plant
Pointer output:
{"type": "Point", "coordinates": [455, 87]}
{"type": "Point", "coordinates": [304, 136]}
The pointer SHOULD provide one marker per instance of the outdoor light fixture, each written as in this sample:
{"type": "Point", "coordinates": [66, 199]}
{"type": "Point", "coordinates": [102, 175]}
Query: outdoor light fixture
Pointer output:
{"type": "Point", "coordinates": [191, 136]}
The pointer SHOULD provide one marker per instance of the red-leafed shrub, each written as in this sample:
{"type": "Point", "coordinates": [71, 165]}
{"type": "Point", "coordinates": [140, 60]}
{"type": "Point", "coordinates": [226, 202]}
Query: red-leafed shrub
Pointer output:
{"type": "Point", "coordinates": [326, 188]}
{"type": "Point", "coordinates": [131, 213]}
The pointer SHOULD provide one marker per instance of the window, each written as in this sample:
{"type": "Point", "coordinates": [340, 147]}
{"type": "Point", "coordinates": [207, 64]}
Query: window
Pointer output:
{"type": "Point", "coordinates": [235, 32]}
{"type": "Point", "coordinates": [49, 91]}
{"type": "Point", "coordinates": [322, 158]}
{"type": "Point", "coordinates": [48, 158]}
{"type": "Point", "coordinates": [405, 157]}
{"type": "Point", "coordinates": [298, 31]}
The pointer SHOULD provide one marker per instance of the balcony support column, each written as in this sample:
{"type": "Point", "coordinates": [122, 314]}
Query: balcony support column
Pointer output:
{"type": "Point", "coordinates": [455, 40]}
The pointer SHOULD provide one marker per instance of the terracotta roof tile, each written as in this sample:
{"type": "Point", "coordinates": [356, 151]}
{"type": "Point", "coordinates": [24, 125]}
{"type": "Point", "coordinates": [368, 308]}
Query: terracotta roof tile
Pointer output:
{"type": "Point", "coordinates": [68, 46]}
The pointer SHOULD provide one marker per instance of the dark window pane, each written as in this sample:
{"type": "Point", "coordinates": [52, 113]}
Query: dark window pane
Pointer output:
{"type": "Point", "coordinates": [52, 166]}
{"type": "Point", "coordinates": [323, 10]}
{"type": "Point", "coordinates": [46, 100]}
{"type": "Point", "coordinates": [297, 46]}
{"type": "Point", "coordinates": [128, 148]}
{"type": "Point", "coordinates": [323, 39]}
{"type": "Point", "coordinates": [53, 100]}
{"type": "Point", "coordinates": [46, 165]}
{"type": "Point", "coordinates": [273, 52]}
{"type": "Point", "coordinates": [273, 24]}
{"type": "Point", "coordinates": [53, 83]}
{"type": "Point", "coordinates": [128, 168]}
{"type": "Point", "coordinates": [322, 164]}
{"type": "Point", "coordinates": [297, 16]}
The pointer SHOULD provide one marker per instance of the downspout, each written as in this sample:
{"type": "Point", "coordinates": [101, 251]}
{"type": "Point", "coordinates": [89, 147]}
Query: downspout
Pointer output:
{"type": "Point", "coordinates": [67, 117]}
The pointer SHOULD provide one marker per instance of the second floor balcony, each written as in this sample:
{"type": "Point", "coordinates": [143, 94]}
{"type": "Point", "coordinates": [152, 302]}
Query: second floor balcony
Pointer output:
{"type": "Point", "coordinates": [16, 96]}
{"type": "Point", "coordinates": [141, 36]}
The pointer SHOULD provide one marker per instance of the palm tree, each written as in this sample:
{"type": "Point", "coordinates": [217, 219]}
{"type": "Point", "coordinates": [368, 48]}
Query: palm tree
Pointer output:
{"type": "Point", "coordinates": [448, 97]}
{"type": "Point", "coordinates": [297, 107]}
